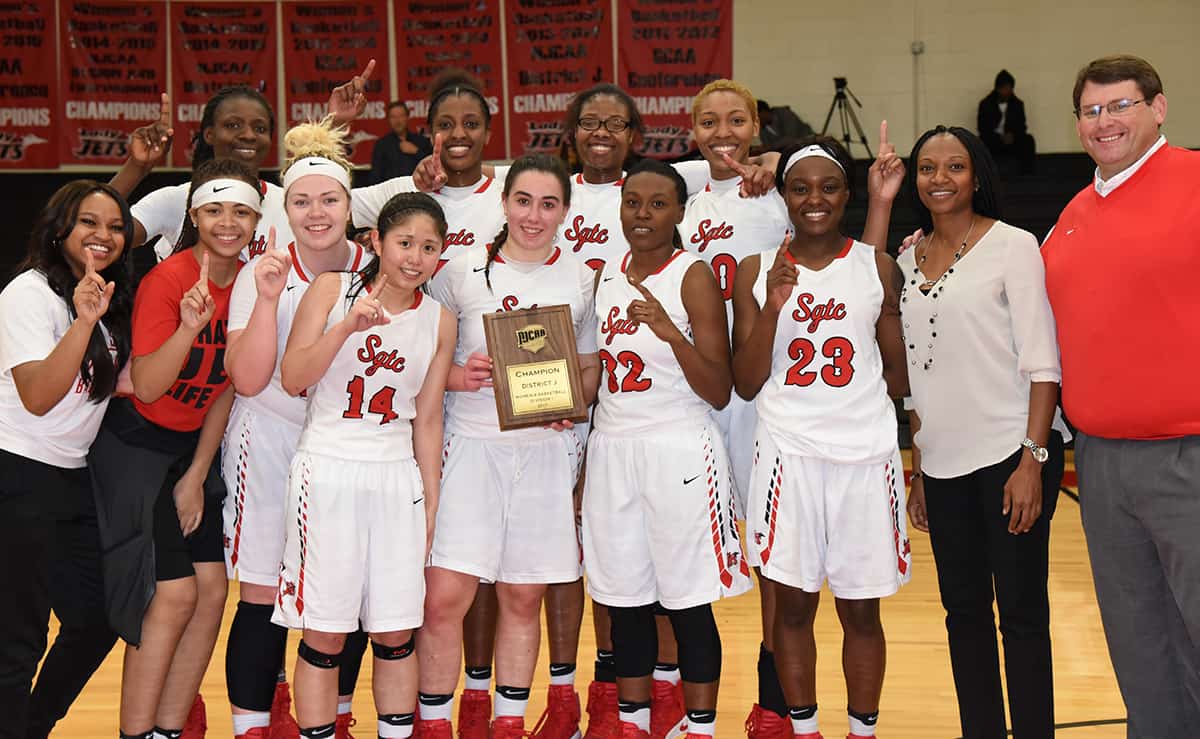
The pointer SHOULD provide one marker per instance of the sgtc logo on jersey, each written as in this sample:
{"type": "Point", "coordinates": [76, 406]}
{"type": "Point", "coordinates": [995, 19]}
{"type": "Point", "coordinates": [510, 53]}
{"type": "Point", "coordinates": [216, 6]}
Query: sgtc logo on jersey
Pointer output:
{"type": "Point", "coordinates": [257, 246]}
{"type": "Point", "coordinates": [581, 235]}
{"type": "Point", "coordinates": [511, 302]}
{"type": "Point", "coordinates": [378, 360]}
{"type": "Point", "coordinates": [614, 325]}
{"type": "Point", "coordinates": [461, 237]}
{"type": "Point", "coordinates": [830, 310]}
{"type": "Point", "coordinates": [706, 233]}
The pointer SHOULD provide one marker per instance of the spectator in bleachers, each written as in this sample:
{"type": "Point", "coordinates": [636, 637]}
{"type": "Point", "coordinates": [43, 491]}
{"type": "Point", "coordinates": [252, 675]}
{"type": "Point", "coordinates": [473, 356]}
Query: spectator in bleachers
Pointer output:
{"type": "Point", "coordinates": [1002, 125]}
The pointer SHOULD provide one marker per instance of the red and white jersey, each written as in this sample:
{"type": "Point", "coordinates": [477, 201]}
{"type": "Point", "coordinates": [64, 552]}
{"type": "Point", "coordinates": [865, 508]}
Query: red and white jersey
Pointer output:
{"type": "Point", "coordinates": [592, 230]}
{"type": "Point", "coordinates": [274, 399]}
{"type": "Point", "coordinates": [723, 228]}
{"type": "Point", "coordinates": [642, 386]}
{"type": "Point", "coordinates": [474, 215]}
{"type": "Point", "coordinates": [362, 407]}
{"type": "Point", "coordinates": [162, 212]}
{"type": "Point", "coordinates": [826, 397]}
{"type": "Point", "coordinates": [463, 289]}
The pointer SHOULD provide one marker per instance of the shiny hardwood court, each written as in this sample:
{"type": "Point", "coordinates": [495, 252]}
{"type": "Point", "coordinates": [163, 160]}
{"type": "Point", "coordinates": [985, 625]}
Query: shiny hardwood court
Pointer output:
{"type": "Point", "coordinates": [918, 695]}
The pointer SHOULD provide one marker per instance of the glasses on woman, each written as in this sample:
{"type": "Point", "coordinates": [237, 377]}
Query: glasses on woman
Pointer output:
{"type": "Point", "coordinates": [1116, 108]}
{"type": "Point", "coordinates": [615, 124]}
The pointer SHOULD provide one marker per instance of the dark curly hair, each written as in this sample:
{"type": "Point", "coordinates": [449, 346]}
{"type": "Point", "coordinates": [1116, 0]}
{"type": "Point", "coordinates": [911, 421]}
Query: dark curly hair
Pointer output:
{"type": "Point", "coordinates": [45, 254]}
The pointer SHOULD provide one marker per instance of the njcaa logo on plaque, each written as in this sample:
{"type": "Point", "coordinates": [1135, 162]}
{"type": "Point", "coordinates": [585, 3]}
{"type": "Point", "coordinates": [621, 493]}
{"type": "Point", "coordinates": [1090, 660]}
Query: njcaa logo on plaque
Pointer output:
{"type": "Point", "coordinates": [532, 338]}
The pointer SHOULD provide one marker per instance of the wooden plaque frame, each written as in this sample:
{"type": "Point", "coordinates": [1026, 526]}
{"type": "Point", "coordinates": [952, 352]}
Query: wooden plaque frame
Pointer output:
{"type": "Point", "coordinates": [539, 343]}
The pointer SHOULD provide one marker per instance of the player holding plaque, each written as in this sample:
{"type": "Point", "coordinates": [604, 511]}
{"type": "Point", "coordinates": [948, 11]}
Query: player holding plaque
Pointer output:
{"type": "Point", "coordinates": [506, 513]}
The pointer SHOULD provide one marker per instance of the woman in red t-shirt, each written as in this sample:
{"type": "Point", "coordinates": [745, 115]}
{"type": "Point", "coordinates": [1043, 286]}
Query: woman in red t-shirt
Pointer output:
{"type": "Point", "coordinates": [157, 476]}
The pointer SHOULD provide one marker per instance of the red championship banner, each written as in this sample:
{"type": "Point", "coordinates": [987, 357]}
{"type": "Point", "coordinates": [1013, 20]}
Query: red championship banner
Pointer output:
{"type": "Point", "coordinates": [667, 51]}
{"type": "Point", "coordinates": [324, 45]}
{"type": "Point", "coordinates": [28, 85]}
{"type": "Point", "coordinates": [215, 45]}
{"type": "Point", "coordinates": [555, 49]}
{"type": "Point", "coordinates": [113, 69]}
{"type": "Point", "coordinates": [432, 36]}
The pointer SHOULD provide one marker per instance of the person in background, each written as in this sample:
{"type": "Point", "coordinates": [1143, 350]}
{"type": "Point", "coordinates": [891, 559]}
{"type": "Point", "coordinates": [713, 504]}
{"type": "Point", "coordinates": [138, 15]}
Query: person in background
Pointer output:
{"type": "Point", "coordinates": [1002, 124]}
{"type": "Point", "coordinates": [397, 153]}
{"type": "Point", "coordinates": [779, 125]}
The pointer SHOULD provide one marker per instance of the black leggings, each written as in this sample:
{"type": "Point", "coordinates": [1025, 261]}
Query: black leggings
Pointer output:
{"type": "Point", "coordinates": [635, 642]}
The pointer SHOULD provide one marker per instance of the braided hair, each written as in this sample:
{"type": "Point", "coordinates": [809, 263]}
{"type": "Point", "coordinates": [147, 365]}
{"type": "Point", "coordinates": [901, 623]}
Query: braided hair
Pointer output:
{"type": "Point", "coordinates": [453, 83]}
{"type": "Point", "coordinates": [45, 254]}
{"type": "Point", "coordinates": [529, 163]}
{"type": "Point", "coordinates": [202, 151]}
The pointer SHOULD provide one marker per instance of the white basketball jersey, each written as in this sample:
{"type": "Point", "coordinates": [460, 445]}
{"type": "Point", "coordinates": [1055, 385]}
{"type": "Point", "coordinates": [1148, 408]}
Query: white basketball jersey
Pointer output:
{"type": "Point", "coordinates": [592, 230]}
{"type": "Point", "coordinates": [462, 288]}
{"type": "Point", "coordinates": [162, 212]}
{"type": "Point", "coordinates": [274, 399]}
{"type": "Point", "coordinates": [363, 406]}
{"type": "Point", "coordinates": [642, 386]}
{"type": "Point", "coordinates": [723, 228]}
{"type": "Point", "coordinates": [826, 396]}
{"type": "Point", "coordinates": [473, 213]}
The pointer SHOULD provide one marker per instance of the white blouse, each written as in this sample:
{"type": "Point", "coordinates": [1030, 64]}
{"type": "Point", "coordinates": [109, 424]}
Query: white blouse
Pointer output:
{"type": "Point", "coordinates": [994, 336]}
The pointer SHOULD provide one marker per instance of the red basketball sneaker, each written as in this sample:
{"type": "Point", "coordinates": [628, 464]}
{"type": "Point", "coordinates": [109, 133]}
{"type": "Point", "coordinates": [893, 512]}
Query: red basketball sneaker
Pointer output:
{"type": "Point", "coordinates": [560, 720]}
{"type": "Point", "coordinates": [197, 721]}
{"type": "Point", "coordinates": [258, 732]}
{"type": "Point", "coordinates": [668, 717]}
{"type": "Point", "coordinates": [341, 726]}
{"type": "Point", "coordinates": [474, 714]}
{"type": "Point", "coordinates": [604, 721]}
{"type": "Point", "coordinates": [508, 727]}
{"type": "Point", "coordinates": [631, 731]}
{"type": "Point", "coordinates": [764, 724]}
{"type": "Point", "coordinates": [283, 726]}
{"type": "Point", "coordinates": [436, 729]}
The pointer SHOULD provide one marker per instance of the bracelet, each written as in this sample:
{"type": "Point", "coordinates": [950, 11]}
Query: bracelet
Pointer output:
{"type": "Point", "coordinates": [915, 476]}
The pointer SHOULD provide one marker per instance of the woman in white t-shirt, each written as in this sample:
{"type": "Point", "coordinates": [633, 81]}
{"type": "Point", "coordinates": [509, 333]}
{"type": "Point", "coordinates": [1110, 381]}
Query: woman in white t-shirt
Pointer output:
{"type": "Point", "coordinates": [64, 338]}
{"type": "Point", "coordinates": [987, 437]}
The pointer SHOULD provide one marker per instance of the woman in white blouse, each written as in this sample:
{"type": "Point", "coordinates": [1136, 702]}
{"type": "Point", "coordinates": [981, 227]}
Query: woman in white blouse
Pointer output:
{"type": "Point", "coordinates": [987, 439]}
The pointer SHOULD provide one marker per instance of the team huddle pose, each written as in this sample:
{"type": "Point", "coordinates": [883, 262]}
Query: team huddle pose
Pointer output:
{"type": "Point", "coordinates": [316, 418]}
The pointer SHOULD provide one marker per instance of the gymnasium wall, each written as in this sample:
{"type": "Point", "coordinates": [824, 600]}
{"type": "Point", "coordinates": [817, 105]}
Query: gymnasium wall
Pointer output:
{"type": "Point", "coordinates": [788, 52]}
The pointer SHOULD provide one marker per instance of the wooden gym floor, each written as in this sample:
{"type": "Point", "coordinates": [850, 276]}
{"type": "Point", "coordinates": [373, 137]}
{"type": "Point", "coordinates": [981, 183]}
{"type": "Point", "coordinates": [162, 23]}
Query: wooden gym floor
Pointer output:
{"type": "Point", "coordinates": [918, 695]}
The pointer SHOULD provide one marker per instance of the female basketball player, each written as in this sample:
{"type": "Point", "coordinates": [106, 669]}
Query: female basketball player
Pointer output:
{"type": "Point", "coordinates": [64, 338]}
{"type": "Point", "coordinates": [658, 523]}
{"type": "Point", "coordinates": [372, 351]}
{"type": "Point", "coordinates": [817, 340]}
{"type": "Point", "coordinates": [158, 487]}
{"type": "Point", "coordinates": [988, 447]}
{"type": "Point", "coordinates": [506, 513]}
{"type": "Point", "coordinates": [265, 424]}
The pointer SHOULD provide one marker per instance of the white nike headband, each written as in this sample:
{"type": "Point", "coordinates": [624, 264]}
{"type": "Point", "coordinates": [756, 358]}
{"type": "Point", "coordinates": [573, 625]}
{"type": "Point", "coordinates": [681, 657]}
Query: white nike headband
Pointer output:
{"type": "Point", "coordinates": [813, 150]}
{"type": "Point", "coordinates": [227, 191]}
{"type": "Point", "coordinates": [315, 165]}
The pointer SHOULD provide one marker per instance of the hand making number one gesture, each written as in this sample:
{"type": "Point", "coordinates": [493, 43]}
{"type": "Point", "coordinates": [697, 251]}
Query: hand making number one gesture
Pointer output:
{"type": "Point", "coordinates": [149, 144]}
{"type": "Point", "coordinates": [92, 294]}
{"type": "Point", "coordinates": [887, 171]}
{"type": "Point", "coordinates": [349, 100]}
{"type": "Point", "coordinates": [367, 312]}
{"type": "Point", "coordinates": [271, 269]}
{"type": "Point", "coordinates": [197, 306]}
{"type": "Point", "coordinates": [782, 277]}
{"type": "Point", "coordinates": [429, 175]}
{"type": "Point", "coordinates": [651, 312]}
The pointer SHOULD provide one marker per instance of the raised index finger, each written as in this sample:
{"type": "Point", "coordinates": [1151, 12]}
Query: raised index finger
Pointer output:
{"type": "Point", "coordinates": [783, 246]}
{"type": "Point", "coordinates": [437, 153]}
{"type": "Point", "coordinates": [203, 281]}
{"type": "Point", "coordinates": [164, 110]}
{"type": "Point", "coordinates": [89, 262]}
{"type": "Point", "coordinates": [735, 166]}
{"type": "Point", "coordinates": [884, 146]}
{"type": "Point", "coordinates": [366, 74]}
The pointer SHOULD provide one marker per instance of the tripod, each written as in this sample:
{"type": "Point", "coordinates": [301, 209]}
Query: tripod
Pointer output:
{"type": "Point", "coordinates": [845, 115]}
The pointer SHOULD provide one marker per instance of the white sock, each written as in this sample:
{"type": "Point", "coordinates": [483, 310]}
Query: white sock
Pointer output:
{"type": "Point", "coordinates": [394, 731]}
{"type": "Point", "coordinates": [344, 707]}
{"type": "Point", "coordinates": [639, 718]}
{"type": "Point", "coordinates": [862, 728]}
{"type": "Point", "coordinates": [667, 676]}
{"type": "Point", "coordinates": [478, 683]}
{"type": "Point", "coordinates": [707, 728]}
{"type": "Point", "coordinates": [243, 722]}
{"type": "Point", "coordinates": [566, 678]}
{"type": "Point", "coordinates": [443, 712]}
{"type": "Point", "coordinates": [804, 725]}
{"type": "Point", "coordinates": [506, 706]}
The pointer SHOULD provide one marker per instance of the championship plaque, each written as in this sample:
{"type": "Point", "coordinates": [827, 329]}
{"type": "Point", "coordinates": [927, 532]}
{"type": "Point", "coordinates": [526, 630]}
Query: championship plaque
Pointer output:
{"type": "Point", "coordinates": [535, 369]}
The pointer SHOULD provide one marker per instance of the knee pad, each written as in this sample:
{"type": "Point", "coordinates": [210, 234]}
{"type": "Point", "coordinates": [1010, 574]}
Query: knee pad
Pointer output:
{"type": "Point", "coordinates": [253, 657]}
{"type": "Point", "coordinates": [699, 644]}
{"type": "Point", "coordinates": [635, 640]}
{"type": "Point", "coordinates": [317, 659]}
{"type": "Point", "coordinates": [384, 652]}
{"type": "Point", "coordinates": [351, 661]}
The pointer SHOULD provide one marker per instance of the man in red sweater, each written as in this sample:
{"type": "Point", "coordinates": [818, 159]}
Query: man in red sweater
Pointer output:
{"type": "Point", "coordinates": [1121, 271]}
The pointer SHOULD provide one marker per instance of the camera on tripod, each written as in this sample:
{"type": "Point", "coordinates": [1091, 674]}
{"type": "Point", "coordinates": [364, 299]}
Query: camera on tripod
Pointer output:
{"type": "Point", "coordinates": [839, 83]}
{"type": "Point", "coordinates": [842, 98]}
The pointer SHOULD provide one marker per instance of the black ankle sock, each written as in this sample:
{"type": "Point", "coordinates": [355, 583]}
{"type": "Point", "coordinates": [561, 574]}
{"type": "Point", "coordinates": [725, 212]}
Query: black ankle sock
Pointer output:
{"type": "Point", "coordinates": [513, 694]}
{"type": "Point", "coordinates": [169, 733]}
{"type": "Point", "coordinates": [802, 712]}
{"type": "Point", "coordinates": [558, 669]}
{"type": "Point", "coordinates": [606, 666]}
{"type": "Point", "coordinates": [770, 692]}
{"type": "Point", "coordinates": [434, 699]}
{"type": "Point", "coordinates": [479, 673]}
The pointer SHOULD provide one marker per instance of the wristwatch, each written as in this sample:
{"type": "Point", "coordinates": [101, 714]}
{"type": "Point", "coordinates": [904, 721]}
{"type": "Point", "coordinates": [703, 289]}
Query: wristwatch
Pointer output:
{"type": "Point", "coordinates": [1040, 453]}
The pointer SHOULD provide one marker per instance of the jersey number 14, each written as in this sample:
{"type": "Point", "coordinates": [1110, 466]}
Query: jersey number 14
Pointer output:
{"type": "Point", "coordinates": [380, 403]}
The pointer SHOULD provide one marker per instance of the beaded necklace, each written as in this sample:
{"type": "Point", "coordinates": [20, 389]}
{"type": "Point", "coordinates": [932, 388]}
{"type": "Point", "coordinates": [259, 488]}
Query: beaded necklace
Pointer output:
{"type": "Point", "coordinates": [931, 288]}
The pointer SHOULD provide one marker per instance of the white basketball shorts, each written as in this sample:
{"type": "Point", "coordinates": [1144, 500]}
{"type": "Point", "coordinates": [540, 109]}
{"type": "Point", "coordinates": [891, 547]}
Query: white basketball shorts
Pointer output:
{"type": "Point", "coordinates": [256, 456]}
{"type": "Point", "coordinates": [506, 511]}
{"type": "Point", "coordinates": [355, 547]}
{"type": "Point", "coordinates": [812, 520]}
{"type": "Point", "coordinates": [658, 522]}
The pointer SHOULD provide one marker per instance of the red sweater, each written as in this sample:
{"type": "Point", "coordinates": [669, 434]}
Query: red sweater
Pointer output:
{"type": "Point", "coordinates": [1123, 276]}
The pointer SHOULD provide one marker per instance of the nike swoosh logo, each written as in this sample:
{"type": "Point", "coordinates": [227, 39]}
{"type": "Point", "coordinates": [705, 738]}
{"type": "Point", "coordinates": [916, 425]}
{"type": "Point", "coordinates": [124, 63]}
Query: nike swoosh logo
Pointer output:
{"type": "Point", "coordinates": [479, 269]}
{"type": "Point", "coordinates": [313, 162]}
{"type": "Point", "coordinates": [1069, 232]}
{"type": "Point", "coordinates": [418, 500]}
{"type": "Point", "coordinates": [219, 189]}
{"type": "Point", "coordinates": [291, 287]}
{"type": "Point", "coordinates": [690, 480]}
{"type": "Point", "coordinates": [606, 279]}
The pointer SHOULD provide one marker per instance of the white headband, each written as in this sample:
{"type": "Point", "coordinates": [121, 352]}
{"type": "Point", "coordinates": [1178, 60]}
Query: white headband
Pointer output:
{"type": "Point", "coordinates": [315, 165]}
{"type": "Point", "coordinates": [227, 191]}
{"type": "Point", "coordinates": [812, 150]}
